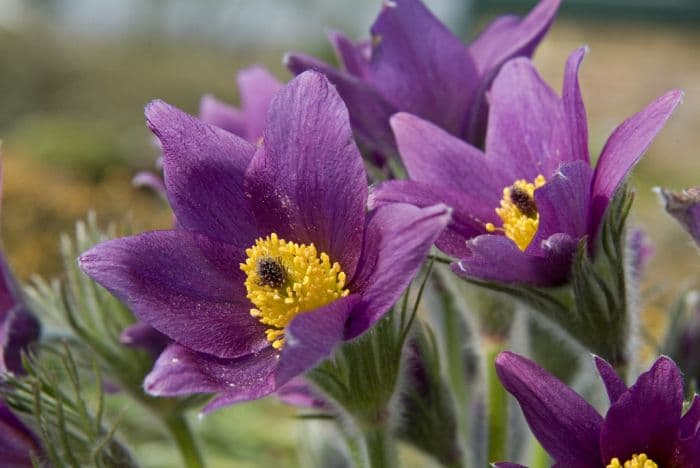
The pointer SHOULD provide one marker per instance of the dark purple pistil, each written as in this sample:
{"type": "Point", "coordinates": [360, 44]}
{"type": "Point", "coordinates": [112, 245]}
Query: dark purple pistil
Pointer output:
{"type": "Point", "coordinates": [271, 272]}
{"type": "Point", "coordinates": [523, 201]}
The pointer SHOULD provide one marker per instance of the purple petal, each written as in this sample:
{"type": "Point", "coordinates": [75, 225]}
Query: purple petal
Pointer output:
{"type": "Point", "coordinates": [17, 442]}
{"type": "Point", "coordinates": [222, 115]}
{"type": "Point", "coordinates": [352, 56]}
{"type": "Point", "coordinates": [420, 66]}
{"type": "Point", "coordinates": [204, 168]}
{"type": "Point", "coordinates": [614, 385]}
{"type": "Point", "coordinates": [186, 285]}
{"type": "Point", "coordinates": [181, 371]}
{"type": "Point", "coordinates": [298, 392]}
{"type": "Point", "coordinates": [369, 110]}
{"type": "Point", "coordinates": [690, 421]}
{"type": "Point", "coordinates": [574, 108]}
{"type": "Point", "coordinates": [464, 224]}
{"type": "Point", "coordinates": [646, 418]}
{"type": "Point", "coordinates": [257, 88]}
{"type": "Point", "coordinates": [312, 336]}
{"type": "Point", "coordinates": [143, 336]}
{"type": "Point", "coordinates": [307, 182]}
{"type": "Point", "coordinates": [150, 180]}
{"type": "Point", "coordinates": [506, 37]}
{"type": "Point", "coordinates": [397, 240]}
{"type": "Point", "coordinates": [563, 203]}
{"type": "Point", "coordinates": [497, 258]}
{"type": "Point", "coordinates": [623, 149]}
{"type": "Point", "coordinates": [508, 465]}
{"type": "Point", "coordinates": [527, 133]}
{"type": "Point", "coordinates": [688, 452]}
{"type": "Point", "coordinates": [437, 158]}
{"type": "Point", "coordinates": [563, 422]}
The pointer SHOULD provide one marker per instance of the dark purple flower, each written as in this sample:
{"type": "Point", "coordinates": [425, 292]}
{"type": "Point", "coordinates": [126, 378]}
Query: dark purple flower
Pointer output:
{"type": "Point", "coordinates": [685, 208]}
{"type": "Point", "coordinates": [521, 207]}
{"type": "Point", "coordinates": [415, 64]}
{"type": "Point", "coordinates": [17, 441]}
{"type": "Point", "coordinates": [645, 420]}
{"type": "Point", "coordinates": [275, 259]}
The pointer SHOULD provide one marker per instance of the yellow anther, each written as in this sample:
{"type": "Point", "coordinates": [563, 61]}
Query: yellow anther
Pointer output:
{"type": "Point", "coordinates": [518, 212]}
{"type": "Point", "coordinates": [637, 461]}
{"type": "Point", "coordinates": [284, 279]}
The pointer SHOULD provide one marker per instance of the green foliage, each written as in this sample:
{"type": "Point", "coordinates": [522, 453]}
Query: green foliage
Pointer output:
{"type": "Point", "coordinates": [55, 394]}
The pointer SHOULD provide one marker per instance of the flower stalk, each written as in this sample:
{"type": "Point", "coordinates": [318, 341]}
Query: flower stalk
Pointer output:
{"type": "Point", "coordinates": [180, 431]}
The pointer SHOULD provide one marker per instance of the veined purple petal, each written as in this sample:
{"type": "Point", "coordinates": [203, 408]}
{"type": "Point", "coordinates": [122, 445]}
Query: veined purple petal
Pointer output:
{"type": "Point", "coordinates": [563, 203]}
{"type": "Point", "coordinates": [186, 285]}
{"type": "Point", "coordinates": [527, 132]}
{"type": "Point", "coordinates": [204, 167]}
{"type": "Point", "coordinates": [497, 258]}
{"type": "Point", "coordinates": [369, 110]}
{"type": "Point", "coordinates": [623, 149]}
{"type": "Point", "coordinates": [220, 114]}
{"type": "Point", "coordinates": [397, 240]}
{"type": "Point", "coordinates": [646, 418]}
{"type": "Point", "coordinates": [563, 422]}
{"type": "Point", "coordinates": [433, 156]}
{"type": "Point", "coordinates": [307, 181]}
{"type": "Point", "coordinates": [143, 336]}
{"type": "Point", "coordinates": [468, 215]}
{"type": "Point", "coordinates": [352, 56]}
{"type": "Point", "coordinates": [420, 66]}
{"type": "Point", "coordinates": [17, 442]}
{"type": "Point", "coordinates": [506, 37]}
{"type": "Point", "coordinates": [574, 108]}
{"type": "Point", "coordinates": [614, 385]}
{"type": "Point", "coordinates": [257, 88]}
{"type": "Point", "coordinates": [312, 337]}
{"type": "Point", "coordinates": [181, 371]}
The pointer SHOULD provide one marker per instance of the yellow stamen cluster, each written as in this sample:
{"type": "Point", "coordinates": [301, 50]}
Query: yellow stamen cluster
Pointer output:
{"type": "Point", "coordinates": [637, 461]}
{"type": "Point", "coordinates": [285, 279]}
{"type": "Point", "coordinates": [519, 212]}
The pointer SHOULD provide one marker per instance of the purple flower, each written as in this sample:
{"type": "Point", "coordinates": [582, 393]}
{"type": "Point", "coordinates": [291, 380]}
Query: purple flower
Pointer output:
{"type": "Point", "coordinates": [17, 442]}
{"type": "Point", "coordinates": [275, 259]}
{"type": "Point", "coordinates": [521, 207]}
{"type": "Point", "coordinates": [685, 208]}
{"type": "Point", "coordinates": [415, 64]}
{"type": "Point", "coordinates": [644, 421]}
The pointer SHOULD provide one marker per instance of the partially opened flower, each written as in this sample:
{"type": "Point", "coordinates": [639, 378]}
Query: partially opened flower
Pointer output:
{"type": "Point", "coordinates": [413, 63]}
{"type": "Point", "coordinates": [521, 207]}
{"type": "Point", "coordinates": [644, 427]}
{"type": "Point", "coordinates": [685, 208]}
{"type": "Point", "coordinates": [17, 442]}
{"type": "Point", "coordinates": [275, 259]}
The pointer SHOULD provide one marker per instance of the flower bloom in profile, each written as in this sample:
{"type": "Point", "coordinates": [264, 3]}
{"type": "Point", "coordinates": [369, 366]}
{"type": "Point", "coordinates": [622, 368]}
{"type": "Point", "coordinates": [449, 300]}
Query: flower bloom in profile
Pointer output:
{"type": "Point", "coordinates": [17, 441]}
{"type": "Point", "coordinates": [414, 64]}
{"type": "Point", "coordinates": [256, 87]}
{"type": "Point", "coordinates": [521, 206]}
{"type": "Point", "coordinates": [274, 260]}
{"type": "Point", "coordinates": [685, 208]}
{"type": "Point", "coordinates": [644, 427]}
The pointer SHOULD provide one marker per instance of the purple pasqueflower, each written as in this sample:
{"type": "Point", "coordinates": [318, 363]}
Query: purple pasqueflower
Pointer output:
{"type": "Point", "coordinates": [275, 259]}
{"type": "Point", "coordinates": [17, 442]}
{"type": "Point", "coordinates": [644, 421]}
{"type": "Point", "coordinates": [685, 208]}
{"type": "Point", "coordinates": [256, 87]}
{"type": "Point", "coordinates": [415, 64]}
{"type": "Point", "coordinates": [521, 206]}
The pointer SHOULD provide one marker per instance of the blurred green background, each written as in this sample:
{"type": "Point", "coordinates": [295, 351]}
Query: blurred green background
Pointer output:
{"type": "Point", "coordinates": [75, 75]}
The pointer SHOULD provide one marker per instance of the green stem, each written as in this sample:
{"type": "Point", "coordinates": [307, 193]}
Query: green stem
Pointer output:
{"type": "Point", "coordinates": [498, 406]}
{"type": "Point", "coordinates": [181, 433]}
{"type": "Point", "coordinates": [380, 446]}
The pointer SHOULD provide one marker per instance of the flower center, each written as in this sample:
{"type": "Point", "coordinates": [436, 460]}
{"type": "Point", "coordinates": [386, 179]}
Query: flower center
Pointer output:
{"type": "Point", "coordinates": [285, 279]}
{"type": "Point", "coordinates": [637, 461]}
{"type": "Point", "coordinates": [518, 211]}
